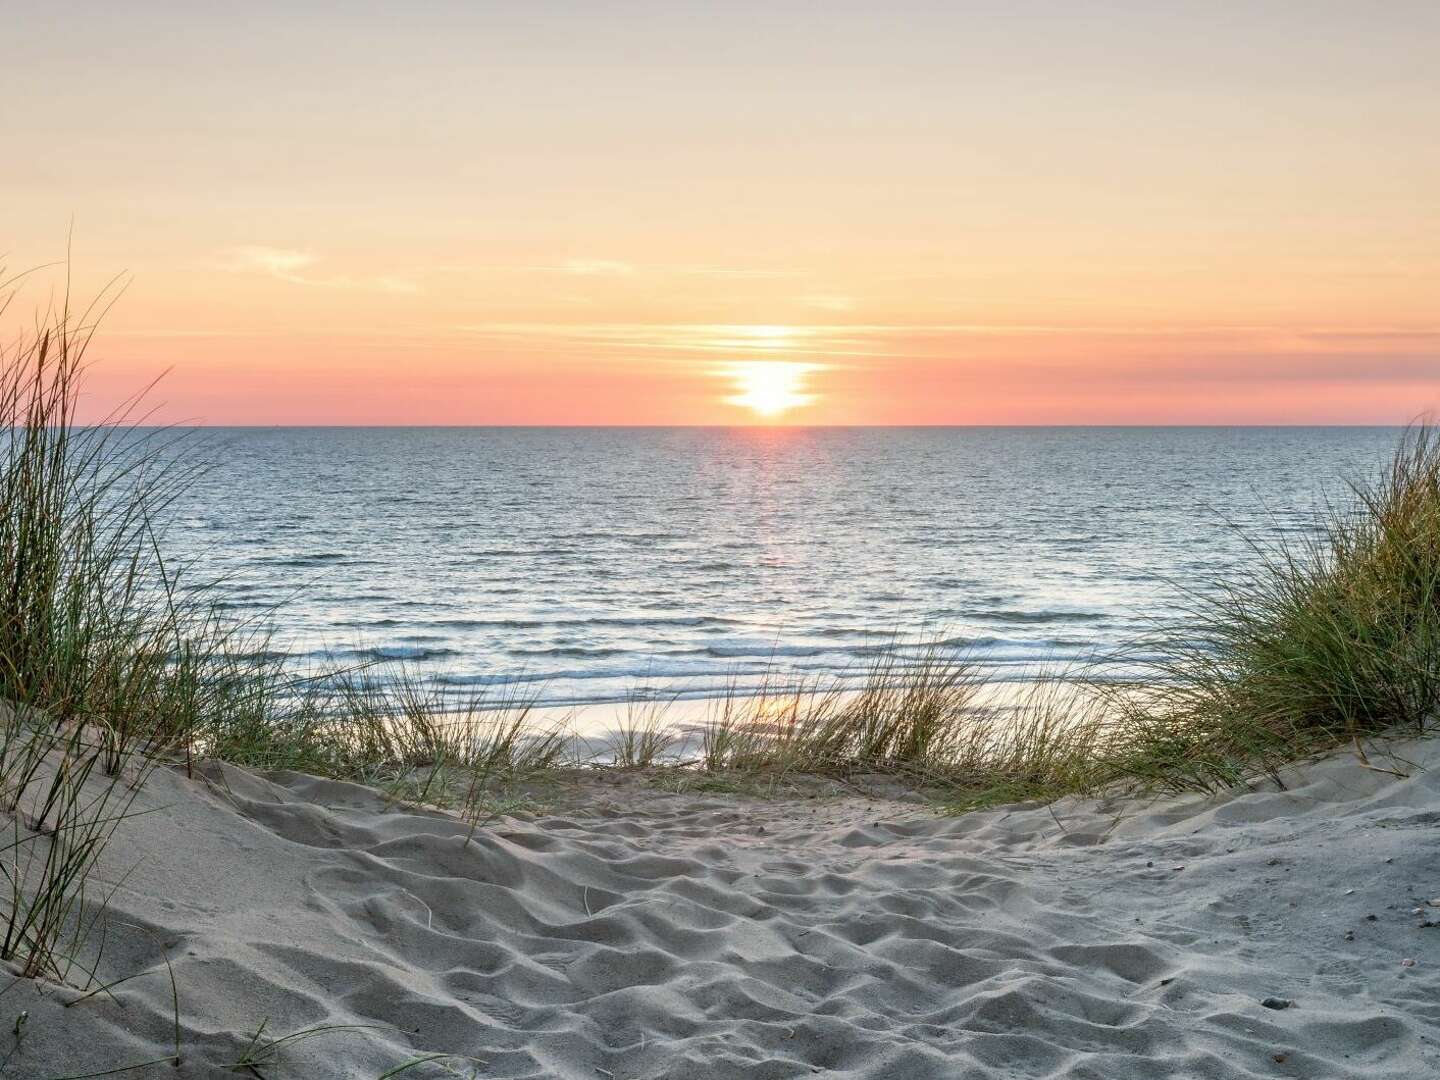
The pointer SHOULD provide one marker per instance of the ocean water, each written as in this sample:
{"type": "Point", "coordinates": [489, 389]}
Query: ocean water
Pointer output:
{"type": "Point", "coordinates": [586, 565]}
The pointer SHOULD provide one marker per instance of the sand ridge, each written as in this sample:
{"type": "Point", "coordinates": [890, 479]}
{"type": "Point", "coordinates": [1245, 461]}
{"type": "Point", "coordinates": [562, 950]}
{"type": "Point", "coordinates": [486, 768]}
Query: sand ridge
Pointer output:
{"type": "Point", "coordinates": [728, 937]}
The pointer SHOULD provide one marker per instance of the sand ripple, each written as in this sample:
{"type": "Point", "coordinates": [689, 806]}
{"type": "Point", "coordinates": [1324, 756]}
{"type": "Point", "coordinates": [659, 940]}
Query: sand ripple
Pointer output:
{"type": "Point", "coordinates": [717, 938]}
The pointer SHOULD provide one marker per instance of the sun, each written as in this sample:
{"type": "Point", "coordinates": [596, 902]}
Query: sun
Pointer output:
{"type": "Point", "coordinates": [769, 387]}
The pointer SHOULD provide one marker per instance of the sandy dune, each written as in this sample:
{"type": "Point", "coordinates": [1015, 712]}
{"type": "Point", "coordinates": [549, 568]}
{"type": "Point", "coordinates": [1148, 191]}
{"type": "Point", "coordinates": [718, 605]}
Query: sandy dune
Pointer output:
{"type": "Point", "coordinates": [721, 937]}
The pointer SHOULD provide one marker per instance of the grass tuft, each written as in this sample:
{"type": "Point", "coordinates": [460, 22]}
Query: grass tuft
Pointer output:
{"type": "Point", "coordinates": [1323, 643]}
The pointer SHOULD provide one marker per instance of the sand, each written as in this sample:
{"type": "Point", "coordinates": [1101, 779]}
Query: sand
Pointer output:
{"type": "Point", "coordinates": [663, 935]}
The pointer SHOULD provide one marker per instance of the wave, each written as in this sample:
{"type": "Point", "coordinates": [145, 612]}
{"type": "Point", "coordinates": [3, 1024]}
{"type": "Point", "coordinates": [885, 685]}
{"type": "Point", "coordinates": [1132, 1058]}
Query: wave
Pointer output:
{"type": "Point", "coordinates": [726, 650]}
{"type": "Point", "coordinates": [380, 653]}
{"type": "Point", "coordinates": [701, 664]}
{"type": "Point", "coordinates": [634, 672]}
{"type": "Point", "coordinates": [1037, 616]}
{"type": "Point", "coordinates": [621, 621]}
{"type": "Point", "coordinates": [574, 652]}
{"type": "Point", "coordinates": [318, 558]}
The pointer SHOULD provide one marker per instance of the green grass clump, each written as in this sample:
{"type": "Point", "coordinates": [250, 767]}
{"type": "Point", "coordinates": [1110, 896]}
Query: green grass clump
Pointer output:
{"type": "Point", "coordinates": [917, 714]}
{"type": "Point", "coordinates": [1322, 643]}
{"type": "Point", "coordinates": [643, 734]}
{"type": "Point", "coordinates": [385, 727]}
{"type": "Point", "coordinates": [95, 665]}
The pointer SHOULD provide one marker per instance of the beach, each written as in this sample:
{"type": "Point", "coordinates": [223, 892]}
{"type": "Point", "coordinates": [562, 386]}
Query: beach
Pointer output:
{"type": "Point", "coordinates": [632, 933]}
{"type": "Point", "coordinates": [749, 541]}
{"type": "Point", "coordinates": [1201, 852]}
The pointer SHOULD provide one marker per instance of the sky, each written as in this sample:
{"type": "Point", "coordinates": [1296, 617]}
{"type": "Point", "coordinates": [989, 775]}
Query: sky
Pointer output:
{"type": "Point", "coordinates": [1027, 212]}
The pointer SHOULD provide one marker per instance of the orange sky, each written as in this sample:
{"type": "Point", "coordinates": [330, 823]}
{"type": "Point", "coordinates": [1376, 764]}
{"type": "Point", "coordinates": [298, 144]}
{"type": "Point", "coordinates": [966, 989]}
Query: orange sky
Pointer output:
{"type": "Point", "coordinates": [1036, 212]}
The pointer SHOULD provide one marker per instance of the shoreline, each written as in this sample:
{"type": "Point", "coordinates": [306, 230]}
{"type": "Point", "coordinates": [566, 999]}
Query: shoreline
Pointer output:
{"type": "Point", "coordinates": [597, 722]}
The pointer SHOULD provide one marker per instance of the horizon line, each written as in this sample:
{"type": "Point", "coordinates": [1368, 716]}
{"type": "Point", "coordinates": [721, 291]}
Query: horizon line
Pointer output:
{"type": "Point", "coordinates": [769, 427]}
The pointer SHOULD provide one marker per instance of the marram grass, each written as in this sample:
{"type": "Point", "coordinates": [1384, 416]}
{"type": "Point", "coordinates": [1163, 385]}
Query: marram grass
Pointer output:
{"type": "Point", "coordinates": [1319, 644]}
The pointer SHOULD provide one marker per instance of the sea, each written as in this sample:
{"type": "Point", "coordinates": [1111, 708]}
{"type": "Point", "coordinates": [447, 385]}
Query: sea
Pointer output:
{"type": "Point", "coordinates": [584, 566]}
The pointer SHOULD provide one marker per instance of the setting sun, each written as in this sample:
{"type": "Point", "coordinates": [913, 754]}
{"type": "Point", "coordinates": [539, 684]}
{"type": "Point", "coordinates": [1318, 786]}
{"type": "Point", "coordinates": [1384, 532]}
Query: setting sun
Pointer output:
{"type": "Point", "coordinates": [770, 387]}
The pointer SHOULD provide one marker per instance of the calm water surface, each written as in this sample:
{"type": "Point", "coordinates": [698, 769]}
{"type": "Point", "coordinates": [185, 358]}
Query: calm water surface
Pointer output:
{"type": "Point", "coordinates": [582, 565]}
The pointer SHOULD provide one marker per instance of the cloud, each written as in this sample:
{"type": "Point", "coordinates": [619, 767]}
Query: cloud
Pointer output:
{"type": "Point", "coordinates": [596, 268]}
{"type": "Point", "coordinates": [277, 262]}
{"type": "Point", "coordinates": [621, 268]}
{"type": "Point", "coordinates": [733, 272]}
{"type": "Point", "coordinates": [286, 264]}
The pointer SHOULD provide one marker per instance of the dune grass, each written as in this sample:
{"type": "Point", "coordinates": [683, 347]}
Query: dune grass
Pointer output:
{"type": "Point", "coordinates": [903, 714]}
{"type": "Point", "coordinates": [381, 725]}
{"type": "Point", "coordinates": [88, 624]}
{"type": "Point", "coordinates": [921, 715]}
{"type": "Point", "coordinates": [643, 733]}
{"type": "Point", "coordinates": [1321, 643]}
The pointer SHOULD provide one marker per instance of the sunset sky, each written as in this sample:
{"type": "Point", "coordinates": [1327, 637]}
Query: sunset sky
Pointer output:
{"type": "Point", "coordinates": [684, 212]}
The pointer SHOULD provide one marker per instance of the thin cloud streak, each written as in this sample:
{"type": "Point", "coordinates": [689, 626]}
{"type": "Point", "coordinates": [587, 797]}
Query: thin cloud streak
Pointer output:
{"type": "Point", "coordinates": [288, 265]}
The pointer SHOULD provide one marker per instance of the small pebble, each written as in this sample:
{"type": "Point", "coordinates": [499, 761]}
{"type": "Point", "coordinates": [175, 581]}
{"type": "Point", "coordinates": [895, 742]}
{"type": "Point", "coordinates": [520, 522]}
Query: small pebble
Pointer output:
{"type": "Point", "coordinates": [1417, 911]}
{"type": "Point", "coordinates": [1349, 892]}
{"type": "Point", "coordinates": [1279, 1059]}
{"type": "Point", "coordinates": [1407, 962]}
{"type": "Point", "coordinates": [1371, 918]}
{"type": "Point", "coordinates": [1277, 1003]}
{"type": "Point", "coordinates": [1349, 935]}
